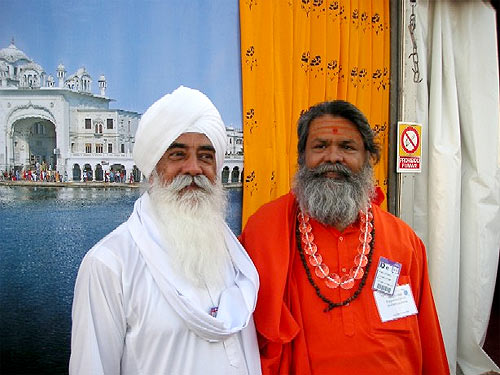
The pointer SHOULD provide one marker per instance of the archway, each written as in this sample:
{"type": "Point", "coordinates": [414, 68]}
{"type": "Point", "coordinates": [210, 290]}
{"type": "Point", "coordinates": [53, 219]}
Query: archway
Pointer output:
{"type": "Point", "coordinates": [87, 172]}
{"type": "Point", "coordinates": [235, 175]}
{"type": "Point", "coordinates": [119, 173]}
{"type": "Point", "coordinates": [34, 142]}
{"type": "Point", "coordinates": [77, 173]}
{"type": "Point", "coordinates": [98, 172]}
{"type": "Point", "coordinates": [123, 172]}
{"type": "Point", "coordinates": [136, 173]}
{"type": "Point", "coordinates": [225, 174]}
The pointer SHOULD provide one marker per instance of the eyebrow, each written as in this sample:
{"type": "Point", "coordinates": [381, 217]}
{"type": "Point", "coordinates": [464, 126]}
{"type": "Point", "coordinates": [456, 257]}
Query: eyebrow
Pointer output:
{"type": "Point", "coordinates": [177, 145]}
{"type": "Point", "coordinates": [206, 148]}
{"type": "Point", "coordinates": [184, 146]}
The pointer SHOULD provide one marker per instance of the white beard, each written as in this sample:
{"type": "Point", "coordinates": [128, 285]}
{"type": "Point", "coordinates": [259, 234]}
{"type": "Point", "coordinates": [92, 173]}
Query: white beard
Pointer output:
{"type": "Point", "coordinates": [192, 224]}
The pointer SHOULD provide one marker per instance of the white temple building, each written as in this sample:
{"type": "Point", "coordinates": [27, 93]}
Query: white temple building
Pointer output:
{"type": "Point", "coordinates": [59, 122]}
{"type": "Point", "coordinates": [233, 161]}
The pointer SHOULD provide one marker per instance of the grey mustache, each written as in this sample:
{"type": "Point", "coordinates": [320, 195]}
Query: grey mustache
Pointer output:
{"type": "Point", "coordinates": [328, 167]}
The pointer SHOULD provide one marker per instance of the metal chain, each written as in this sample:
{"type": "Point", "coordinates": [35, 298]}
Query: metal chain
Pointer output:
{"type": "Point", "coordinates": [414, 55]}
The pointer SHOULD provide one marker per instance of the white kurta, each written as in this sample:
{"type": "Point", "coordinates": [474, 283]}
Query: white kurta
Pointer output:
{"type": "Point", "coordinates": [124, 321]}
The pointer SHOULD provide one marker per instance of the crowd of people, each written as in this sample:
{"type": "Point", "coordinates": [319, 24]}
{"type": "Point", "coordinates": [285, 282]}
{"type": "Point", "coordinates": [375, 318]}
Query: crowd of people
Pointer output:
{"type": "Point", "coordinates": [118, 176]}
{"type": "Point", "coordinates": [35, 175]}
{"type": "Point", "coordinates": [44, 173]}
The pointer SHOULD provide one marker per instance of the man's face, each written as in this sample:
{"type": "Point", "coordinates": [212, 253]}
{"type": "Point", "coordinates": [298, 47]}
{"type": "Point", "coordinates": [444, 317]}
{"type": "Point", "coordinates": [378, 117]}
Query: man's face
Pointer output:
{"type": "Point", "coordinates": [334, 139]}
{"type": "Point", "coordinates": [190, 154]}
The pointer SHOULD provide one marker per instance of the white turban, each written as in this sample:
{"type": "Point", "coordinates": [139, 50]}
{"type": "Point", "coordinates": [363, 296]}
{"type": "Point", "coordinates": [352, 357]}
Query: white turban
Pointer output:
{"type": "Point", "coordinates": [185, 110]}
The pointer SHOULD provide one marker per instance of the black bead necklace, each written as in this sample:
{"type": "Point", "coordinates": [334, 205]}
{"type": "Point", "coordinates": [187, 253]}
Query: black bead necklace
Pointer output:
{"type": "Point", "coordinates": [331, 304]}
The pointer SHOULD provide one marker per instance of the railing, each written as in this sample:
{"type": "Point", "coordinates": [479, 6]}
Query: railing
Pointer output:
{"type": "Point", "coordinates": [129, 155]}
{"type": "Point", "coordinates": [103, 155]}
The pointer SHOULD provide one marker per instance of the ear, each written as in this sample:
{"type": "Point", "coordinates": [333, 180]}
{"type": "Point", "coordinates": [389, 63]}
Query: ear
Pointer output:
{"type": "Point", "coordinates": [151, 176]}
{"type": "Point", "coordinates": [372, 159]}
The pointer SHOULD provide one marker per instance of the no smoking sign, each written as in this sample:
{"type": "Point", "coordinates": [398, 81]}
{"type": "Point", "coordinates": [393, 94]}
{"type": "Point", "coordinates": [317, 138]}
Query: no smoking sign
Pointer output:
{"type": "Point", "coordinates": [410, 150]}
{"type": "Point", "coordinates": [410, 140]}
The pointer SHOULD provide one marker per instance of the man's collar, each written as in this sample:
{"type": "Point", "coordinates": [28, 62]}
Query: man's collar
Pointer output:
{"type": "Point", "coordinates": [378, 196]}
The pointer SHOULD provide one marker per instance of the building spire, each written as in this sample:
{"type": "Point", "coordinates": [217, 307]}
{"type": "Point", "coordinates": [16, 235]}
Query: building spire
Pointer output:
{"type": "Point", "coordinates": [12, 41]}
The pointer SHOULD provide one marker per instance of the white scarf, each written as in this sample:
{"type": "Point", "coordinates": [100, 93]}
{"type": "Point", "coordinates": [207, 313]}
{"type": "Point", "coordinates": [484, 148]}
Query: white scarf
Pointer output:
{"type": "Point", "coordinates": [237, 302]}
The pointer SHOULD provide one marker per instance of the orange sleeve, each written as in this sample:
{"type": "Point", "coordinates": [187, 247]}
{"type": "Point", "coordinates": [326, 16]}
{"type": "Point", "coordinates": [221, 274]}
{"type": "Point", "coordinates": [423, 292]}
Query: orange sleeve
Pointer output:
{"type": "Point", "coordinates": [274, 323]}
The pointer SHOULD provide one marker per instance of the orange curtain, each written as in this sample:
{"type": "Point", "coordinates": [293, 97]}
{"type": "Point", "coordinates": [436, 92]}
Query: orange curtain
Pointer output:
{"type": "Point", "coordinates": [296, 53]}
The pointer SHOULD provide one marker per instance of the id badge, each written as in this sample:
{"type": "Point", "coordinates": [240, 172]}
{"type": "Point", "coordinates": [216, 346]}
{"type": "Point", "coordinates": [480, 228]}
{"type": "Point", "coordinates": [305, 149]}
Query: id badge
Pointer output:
{"type": "Point", "coordinates": [399, 305]}
{"type": "Point", "coordinates": [387, 276]}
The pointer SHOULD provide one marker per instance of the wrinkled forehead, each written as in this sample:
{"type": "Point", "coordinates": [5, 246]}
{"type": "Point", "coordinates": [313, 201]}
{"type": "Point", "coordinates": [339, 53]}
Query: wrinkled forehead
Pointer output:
{"type": "Point", "coordinates": [329, 125]}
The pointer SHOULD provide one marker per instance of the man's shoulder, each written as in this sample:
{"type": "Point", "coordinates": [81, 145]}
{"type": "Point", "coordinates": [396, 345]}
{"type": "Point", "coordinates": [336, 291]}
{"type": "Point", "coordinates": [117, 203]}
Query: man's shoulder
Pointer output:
{"type": "Point", "coordinates": [273, 217]}
{"type": "Point", "coordinates": [388, 217]}
{"type": "Point", "coordinates": [392, 224]}
{"type": "Point", "coordinates": [276, 207]}
{"type": "Point", "coordinates": [114, 249]}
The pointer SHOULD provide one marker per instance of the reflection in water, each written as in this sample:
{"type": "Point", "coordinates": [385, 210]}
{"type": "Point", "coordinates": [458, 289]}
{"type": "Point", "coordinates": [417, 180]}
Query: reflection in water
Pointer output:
{"type": "Point", "coordinates": [45, 232]}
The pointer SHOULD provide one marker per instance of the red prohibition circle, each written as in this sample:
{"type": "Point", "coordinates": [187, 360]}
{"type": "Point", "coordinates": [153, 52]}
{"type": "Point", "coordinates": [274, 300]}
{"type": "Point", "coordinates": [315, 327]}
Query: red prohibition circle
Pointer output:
{"type": "Point", "coordinates": [409, 144]}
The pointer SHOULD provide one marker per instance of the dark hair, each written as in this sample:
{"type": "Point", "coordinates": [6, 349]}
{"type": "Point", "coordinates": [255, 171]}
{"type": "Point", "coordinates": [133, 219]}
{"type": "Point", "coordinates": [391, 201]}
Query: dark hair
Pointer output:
{"type": "Point", "coordinates": [339, 108]}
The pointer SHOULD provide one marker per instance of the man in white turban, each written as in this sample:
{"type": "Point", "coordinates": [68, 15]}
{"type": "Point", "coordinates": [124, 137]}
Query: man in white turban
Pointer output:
{"type": "Point", "coordinates": [171, 290]}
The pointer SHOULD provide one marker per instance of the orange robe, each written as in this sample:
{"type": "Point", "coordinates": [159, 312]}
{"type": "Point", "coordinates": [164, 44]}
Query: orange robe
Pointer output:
{"type": "Point", "coordinates": [296, 335]}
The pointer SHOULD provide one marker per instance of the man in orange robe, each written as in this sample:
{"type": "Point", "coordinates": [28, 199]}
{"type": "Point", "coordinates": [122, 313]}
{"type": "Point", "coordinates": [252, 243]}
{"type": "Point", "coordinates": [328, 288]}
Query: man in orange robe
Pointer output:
{"type": "Point", "coordinates": [327, 304]}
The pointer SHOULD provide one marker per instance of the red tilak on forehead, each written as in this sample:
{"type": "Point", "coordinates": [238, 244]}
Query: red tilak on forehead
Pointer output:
{"type": "Point", "coordinates": [334, 129]}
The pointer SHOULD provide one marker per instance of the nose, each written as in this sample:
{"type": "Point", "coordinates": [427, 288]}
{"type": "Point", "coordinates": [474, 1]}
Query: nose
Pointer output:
{"type": "Point", "coordinates": [192, 166]}
{"type": "Point", "coordinates": [334, 155]}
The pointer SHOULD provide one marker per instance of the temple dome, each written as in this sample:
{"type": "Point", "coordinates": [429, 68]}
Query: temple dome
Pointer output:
{"type": "Point", "coordinates": [32, 66]}
{"type": "Point", "coordinates": [12, 54]}
{"type": "Point", "coordinates": [81, 72]}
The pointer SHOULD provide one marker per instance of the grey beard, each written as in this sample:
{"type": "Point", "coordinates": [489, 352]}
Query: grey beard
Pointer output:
{"type": "Point", "coordinates": [334, 201]}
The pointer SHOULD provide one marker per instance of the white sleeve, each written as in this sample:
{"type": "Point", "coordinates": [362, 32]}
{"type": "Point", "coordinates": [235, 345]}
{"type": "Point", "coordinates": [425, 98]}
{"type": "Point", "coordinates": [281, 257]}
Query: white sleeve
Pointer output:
{"type": "Point", "coordinates": [99, 324]}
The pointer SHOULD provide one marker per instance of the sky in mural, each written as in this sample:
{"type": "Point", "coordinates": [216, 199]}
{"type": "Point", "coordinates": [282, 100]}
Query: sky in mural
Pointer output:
{"type": "Point", "coordinates": [144, 48]}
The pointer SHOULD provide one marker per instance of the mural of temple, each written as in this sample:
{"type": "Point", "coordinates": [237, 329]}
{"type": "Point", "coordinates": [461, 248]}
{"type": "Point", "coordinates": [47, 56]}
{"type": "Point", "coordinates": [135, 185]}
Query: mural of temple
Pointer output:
{"type": "Point", "coordinates": [232, 171]}
{"type": "Point", "coordinates": [59, 123]}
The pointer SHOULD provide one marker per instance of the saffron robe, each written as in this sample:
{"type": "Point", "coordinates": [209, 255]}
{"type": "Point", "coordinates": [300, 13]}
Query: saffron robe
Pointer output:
{"type": "Point", "coordinates": [132, 314]}
{"type": "Point", "coordinates": [296, 335]}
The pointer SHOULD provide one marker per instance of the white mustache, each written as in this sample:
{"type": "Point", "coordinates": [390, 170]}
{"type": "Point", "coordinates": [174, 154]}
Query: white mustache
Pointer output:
{"type": "Point", "coordinates": [185, 180]}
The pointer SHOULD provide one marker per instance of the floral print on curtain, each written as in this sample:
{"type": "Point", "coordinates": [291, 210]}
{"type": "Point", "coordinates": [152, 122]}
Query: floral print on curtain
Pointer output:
{"type": "Point", "coordinates": [294, 54]}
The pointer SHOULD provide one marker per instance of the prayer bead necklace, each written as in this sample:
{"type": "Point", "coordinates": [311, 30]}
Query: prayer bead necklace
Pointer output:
{"type": "Point", "coordinates": [333, 280]}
